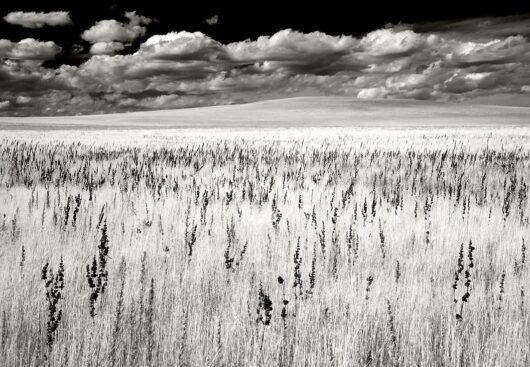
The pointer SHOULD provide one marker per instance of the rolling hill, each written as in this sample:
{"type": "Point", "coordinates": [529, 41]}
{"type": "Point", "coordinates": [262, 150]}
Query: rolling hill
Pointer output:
{"type": "Point", "coordinates": [293, 112]}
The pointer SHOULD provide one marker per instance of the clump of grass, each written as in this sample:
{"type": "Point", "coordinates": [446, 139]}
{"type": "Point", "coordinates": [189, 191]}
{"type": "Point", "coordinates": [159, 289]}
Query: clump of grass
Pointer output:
{"type": "Point", "coordinates": [519, 264]}
{"type": "Point", "coordinates": [285, 302]}
{"type": "Point", "coordinates": [15, 228]}
{"type": "Point", "coordinates": [22, 257]}
{"type": "Point", "coordinates": [521, 301]}
{"type": "Point", "coordinates": [392, 332]}
{"type": "Point", "coordinates": [382, 239]}
{"type": "Point", "coordinates": [67, 211]}
{"type": "Point", "coordinates": [151, 349]}
{"type": "Point", "coordinates": [397, 272]}
{"type": "Point", "coordinates": [183, 339]}
{"type": "Point", "coordinates": [314, 217]}
{"type": "Point", "coordinates": [54, 284]}
{"type": "Point", "coordinates": [143, 284]}
{"type": "Point", "coordinates": [77, 200]}
{"type": "Point", "coordinates": [369, 282]}
{"type": "Point", "coordinates": [467, 278]}
{"type": "Point", "coordinates": [97, 274]}
{"type": "Point", "coordinates": [374, 203]}
{"type": "Point", "coordinates": [264, 309]}
{"type": "Point", "coordinates": [242, 253]}
{"type": "Point", "coordinates": [276, 214]}
{"type": "Point", "coordinates": [501, 289]}
{"type": "Point", "coordinates": [231, 239]}
{"type": "Point", "coordinates": [5, 329]}
{"type": "Point", "coordinates": [458, 272]}
{"type": "Point", "coordinates": [335, 216]}
{"type": "Point", "coordinates": [297, 284]}
{"type": "Point", "coordinates": [120, 309]}
{"type": "Point", "coordinates": [204, 206]}
{"type": "Point", "coordinates": [322, 239]}
{"type": "Point", "coordinates": [101, 217]}
{"type": "Point", "coordinates": [313, 272]}
{"type": "Point", "coordinates": [190, 234]}
{"type": "Point", "coordinates": [509, 193]}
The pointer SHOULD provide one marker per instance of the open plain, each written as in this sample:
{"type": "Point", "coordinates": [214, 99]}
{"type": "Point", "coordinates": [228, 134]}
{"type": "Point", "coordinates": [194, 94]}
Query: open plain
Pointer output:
{"type": "Point", "coordinates": [297, 232]}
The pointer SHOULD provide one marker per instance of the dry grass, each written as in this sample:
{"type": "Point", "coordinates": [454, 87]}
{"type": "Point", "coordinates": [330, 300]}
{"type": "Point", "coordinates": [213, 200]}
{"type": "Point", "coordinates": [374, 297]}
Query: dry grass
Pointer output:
{"type": "Point", "coordinates": [268, 248]}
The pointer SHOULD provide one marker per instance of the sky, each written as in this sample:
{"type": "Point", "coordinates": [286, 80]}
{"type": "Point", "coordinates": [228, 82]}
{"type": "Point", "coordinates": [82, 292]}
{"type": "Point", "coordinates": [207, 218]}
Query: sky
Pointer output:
{"type": "Point", "coordinates": [61, 58]}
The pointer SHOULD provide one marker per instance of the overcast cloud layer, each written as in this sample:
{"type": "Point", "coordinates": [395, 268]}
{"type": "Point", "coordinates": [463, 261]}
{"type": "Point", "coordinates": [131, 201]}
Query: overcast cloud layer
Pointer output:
{"type": "Point", "coordinates": [484, 60]}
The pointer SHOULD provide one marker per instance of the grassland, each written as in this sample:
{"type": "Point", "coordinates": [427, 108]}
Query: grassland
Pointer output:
{"type": "Point", "coordinates": [313, 247]}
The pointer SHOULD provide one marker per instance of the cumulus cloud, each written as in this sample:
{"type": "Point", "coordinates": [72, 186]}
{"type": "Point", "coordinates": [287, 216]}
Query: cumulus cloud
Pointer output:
{"type": "Point", "coordinates": [109, 35]}
{"type": "Point", "coordinates": [180, 69]}
{"type": "Point", "coordinates": [291, 45]}
{"type": "Point", "coordinates": [38, 20]}
{"type": "Point", "coordinates": [29, 49]}
{"type": "Point", "coordinates": [512, 48]}
{"type": "Point", "coordinates": [106, 48]}
{"type": "Point", "coordinates": [212, 20]}
{"type": "Point", "coordinates": [467, 82]}
{"type": "Point", "coordinates": [182, 46]}
{"type": "Point", "coordinates": [112, 30]}
{"type": "Point", "coordinates": [296, 52]}
{"type": "Point", "coordinates": [136, 19]}
{"type": "Point", "coordinates": [372, 93]}
{"type": "Point", "coordinates": [21, 100]}
{"type": "Point", "coordinates": [388, 41]}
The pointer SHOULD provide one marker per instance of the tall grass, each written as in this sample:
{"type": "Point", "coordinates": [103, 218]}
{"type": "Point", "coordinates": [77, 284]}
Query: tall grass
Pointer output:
{"type": "Point", "coordinates": [317, 249]}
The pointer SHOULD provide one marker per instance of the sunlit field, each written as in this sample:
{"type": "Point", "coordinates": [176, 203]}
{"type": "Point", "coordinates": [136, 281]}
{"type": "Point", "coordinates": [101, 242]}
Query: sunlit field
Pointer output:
{"type": "Point", "coordinates": [274, 247]}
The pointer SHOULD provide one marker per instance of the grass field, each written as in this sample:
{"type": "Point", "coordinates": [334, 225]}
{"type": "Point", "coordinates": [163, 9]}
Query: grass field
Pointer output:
{"type": "Point", "coordinates": [290, 247]}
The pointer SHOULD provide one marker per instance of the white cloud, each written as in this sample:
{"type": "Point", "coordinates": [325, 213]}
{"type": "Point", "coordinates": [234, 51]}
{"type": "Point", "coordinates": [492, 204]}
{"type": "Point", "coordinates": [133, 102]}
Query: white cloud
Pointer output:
{"type": "Point", "coordinates": [23, 100]}
{"type": "Point", "coordinates": [182, 45]}
{"type": "Point", "coordinates": [4, 104]}
{"type": "Point", "coordinates": [390, 67]}
{"type": "Point", "coordinates": [405, 81]}
{"type": "Point", "coordinates": [297, 53]}
{"type": "Point", "coordinates": [497, 50]}
{"type": "Point", "coordinates": [372, 93]}
{"type": "Point", "coordinates": [38, 20]}
{"type": "Point", "coordinates": [212, 20]}
{"type": "Point", "coordinates": [461, 82]}
{"type": "Point", "coordinates": [136, 19]}
{"type": "Point", "coordinates": [29, 49]}
{"type": "Point", "coordinates": [388, 41]}
{"type": "Point", "coordinates": [290, 44]}
{"type": "Point", "coordinates": [111, 31]}
{"type": "Point", "coordinates": [106, 48]}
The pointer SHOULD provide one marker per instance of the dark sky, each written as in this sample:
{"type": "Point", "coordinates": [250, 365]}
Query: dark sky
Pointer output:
{"type": "Point", "coordinates": [438, 50]}
{"type": "Point", "coordinates": [241, 20]}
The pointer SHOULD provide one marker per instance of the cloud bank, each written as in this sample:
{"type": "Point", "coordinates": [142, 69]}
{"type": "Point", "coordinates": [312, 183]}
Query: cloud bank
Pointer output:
{"type": "Point", "coordinates": [179, 69]}
{"type": "Point", "coordinates": [38, 20]}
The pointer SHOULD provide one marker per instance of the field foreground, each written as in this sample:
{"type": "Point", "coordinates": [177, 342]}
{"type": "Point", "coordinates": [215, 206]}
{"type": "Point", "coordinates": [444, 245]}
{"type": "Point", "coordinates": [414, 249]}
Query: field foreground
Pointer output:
{"type": "Point", "coordinates": [314, 247]}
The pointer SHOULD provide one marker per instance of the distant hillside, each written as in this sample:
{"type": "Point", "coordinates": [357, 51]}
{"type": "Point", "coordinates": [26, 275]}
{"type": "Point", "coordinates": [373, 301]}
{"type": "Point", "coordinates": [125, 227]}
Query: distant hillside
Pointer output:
{"type": "Point", "coordinates": [294, 112]}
